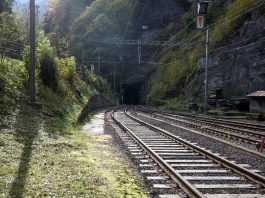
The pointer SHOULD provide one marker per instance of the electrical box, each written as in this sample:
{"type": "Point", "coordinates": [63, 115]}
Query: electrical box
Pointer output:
{"type": "Point", "coordinates": [202, 8]}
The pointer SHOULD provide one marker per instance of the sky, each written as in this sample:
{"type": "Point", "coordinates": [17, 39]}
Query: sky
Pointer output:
{"type": "Point", "coordinates": [42, 3]}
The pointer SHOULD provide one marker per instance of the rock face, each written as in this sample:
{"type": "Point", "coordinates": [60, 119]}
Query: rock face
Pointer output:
{"type": "Point", "coordinates": [240, 67]}
{"type": "Point", "coordinates": [156, 15]}
{"type": "Point", "coordinates": [159, 13]}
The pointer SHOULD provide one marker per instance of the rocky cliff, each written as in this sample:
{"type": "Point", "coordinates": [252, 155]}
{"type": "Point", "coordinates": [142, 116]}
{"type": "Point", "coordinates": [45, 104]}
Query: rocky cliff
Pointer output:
{"type": "Point", "coordinates": [237, 62]}
{"type": "Point", "coordinates": [238, 68]}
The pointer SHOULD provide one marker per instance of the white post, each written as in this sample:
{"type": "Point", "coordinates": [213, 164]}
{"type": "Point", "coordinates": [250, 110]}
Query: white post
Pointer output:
{"type": "Point", "coordinates": [206, 68]}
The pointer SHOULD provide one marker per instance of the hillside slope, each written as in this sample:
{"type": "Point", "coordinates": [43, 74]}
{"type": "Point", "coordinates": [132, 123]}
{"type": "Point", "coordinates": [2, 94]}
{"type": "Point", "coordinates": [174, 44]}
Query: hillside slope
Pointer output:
{"type": "Point", "coordinates": [237, 55]}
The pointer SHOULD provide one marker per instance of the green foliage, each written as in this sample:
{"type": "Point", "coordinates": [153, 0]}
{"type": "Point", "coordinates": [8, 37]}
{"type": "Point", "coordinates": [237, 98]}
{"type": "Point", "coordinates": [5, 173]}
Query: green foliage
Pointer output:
{"type": "Point", "coordinates": [12, 76]}
{"type": "Point", "coordinates": [99, 83]}
{"type": "Point", "coordinates": [186, 19]}
{"type": "Point", "coordinates": [6, 6]}
{"type": "Point", "coordinates": [178, 66]}
{"type": "Point", "coordinates": [100, 17]}
{"type": "Point", "coordinates": [59, 74]}
{"type": "Point", "coordinates": [67, 68]}
{"type": "Point", "coordinates": [174, 69]}
{"type": "Point", "coordinates": [48, 71]}
{"type": "Point", "coordinates": [74, 165]}
{"type": "Point", "coordinates": [61, 15]}
{"type": "Point", "coordinates": [176, 104]}
{"type": "Point", "coordinates": [9, 28]}
{"type": "Point", "coordinates": [43, 47]}
{"type": "Point", "coordinates": [218, 34]}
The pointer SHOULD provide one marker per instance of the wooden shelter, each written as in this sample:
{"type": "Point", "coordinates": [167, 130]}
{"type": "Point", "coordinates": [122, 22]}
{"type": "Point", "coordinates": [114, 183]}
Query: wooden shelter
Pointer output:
{"type": "Point", "coordinates": [257, 102]}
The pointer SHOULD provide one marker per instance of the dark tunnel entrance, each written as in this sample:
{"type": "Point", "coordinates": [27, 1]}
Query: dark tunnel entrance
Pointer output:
{"type": "Point", "coordinates": [131, 94]}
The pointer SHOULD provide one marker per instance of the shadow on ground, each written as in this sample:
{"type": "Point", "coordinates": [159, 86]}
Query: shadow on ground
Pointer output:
{"type": "Point", "coordinates": [95, 104]}
{"type": "Point", "coordinates": [28, 123]}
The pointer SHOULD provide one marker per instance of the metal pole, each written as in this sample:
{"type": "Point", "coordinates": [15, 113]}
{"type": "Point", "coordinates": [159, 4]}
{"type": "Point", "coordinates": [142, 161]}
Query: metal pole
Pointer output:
{"type": "Point", "coordinates": [114, 82]}
{"type": "Point", "coordinates": [139, 52]}
{"type": "Point", "coordinates": [82, 58]}
{"type": "Point", "coordinates": [206, 67]}
{"type": "Point", "coordinates": [32, 53]}
{"type": "Point", "coordinates": [99, 63]}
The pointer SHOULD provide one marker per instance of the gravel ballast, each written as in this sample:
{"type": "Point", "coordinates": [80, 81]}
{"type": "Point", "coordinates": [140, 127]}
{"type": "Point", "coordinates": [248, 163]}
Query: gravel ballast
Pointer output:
{"type": "Point", "coordinates": [230, 152]}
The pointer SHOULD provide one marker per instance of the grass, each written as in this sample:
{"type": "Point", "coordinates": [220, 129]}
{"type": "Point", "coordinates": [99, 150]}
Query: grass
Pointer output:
{"type": "Point", "coordinates": [44, 154]}
{"type": "Point", "coordinates": [36, 162]}
{"type": "Point", "coordinates": [75, 165]}
{"type": "Point", "coordinates": [176, 104]}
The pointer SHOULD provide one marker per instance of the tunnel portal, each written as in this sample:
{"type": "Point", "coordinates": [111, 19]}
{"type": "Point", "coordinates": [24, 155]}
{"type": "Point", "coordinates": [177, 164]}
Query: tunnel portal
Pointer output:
{"type": "Point", "coordinates": [131, 93]}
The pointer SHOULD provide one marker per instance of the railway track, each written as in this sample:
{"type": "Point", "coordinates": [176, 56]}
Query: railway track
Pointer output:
{"type": "Point", "coordinates": [237, 131]}
{"type": "Point", "coordinates": [198, 172]}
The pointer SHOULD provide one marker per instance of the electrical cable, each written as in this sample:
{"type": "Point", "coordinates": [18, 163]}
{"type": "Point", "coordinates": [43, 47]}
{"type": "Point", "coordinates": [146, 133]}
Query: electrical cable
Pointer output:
{"type": "Point", "coordinates": [248, 9]}
{"type": "Point", "coordinates": [139, 19]}
{"type": "Point", "coordinates": [12, 42]}
{"type": "Point", "coordinates": [211, 51]}
{"type": "Point", "coordinates": [242, 47]}
{"type": "Point", "coordinates": [127, 27]}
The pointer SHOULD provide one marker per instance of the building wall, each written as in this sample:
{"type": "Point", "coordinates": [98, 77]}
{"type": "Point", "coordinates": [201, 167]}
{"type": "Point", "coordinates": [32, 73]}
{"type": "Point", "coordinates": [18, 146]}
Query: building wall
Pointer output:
{"type": "Point", "coordinates": [257, 105]}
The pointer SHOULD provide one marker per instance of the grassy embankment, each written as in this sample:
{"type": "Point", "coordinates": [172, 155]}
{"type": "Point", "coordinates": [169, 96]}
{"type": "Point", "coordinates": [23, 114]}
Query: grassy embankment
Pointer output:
{"type": "Point", "coordinates": [43, 153]}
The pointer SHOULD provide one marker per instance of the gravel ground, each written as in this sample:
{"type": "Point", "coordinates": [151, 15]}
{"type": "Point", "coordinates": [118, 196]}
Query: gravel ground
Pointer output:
{"type": "Point", "coordinates": [248, 145]}
{"type": "Point", "coordinates": [230, 191]}
{"type": "Point", "coordinates": [233, 140]}
{"type": "Point", "coordinates": [230, 152]}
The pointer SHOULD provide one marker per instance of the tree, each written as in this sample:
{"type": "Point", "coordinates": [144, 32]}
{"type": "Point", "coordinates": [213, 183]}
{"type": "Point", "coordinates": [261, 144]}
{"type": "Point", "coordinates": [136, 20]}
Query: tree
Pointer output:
{"type": "Point", "coordinates": [6, 6]}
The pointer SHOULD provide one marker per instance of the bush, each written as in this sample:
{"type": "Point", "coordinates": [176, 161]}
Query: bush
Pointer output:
{"type": "Point", "coordinates": [1, 83]}
{"type": "Point", "coordinates": [176, 104]}
{"type": "Point", "coordinates": [229, 25]}
{"type": "Point", "coordinates": [99, 84]}
{"type": "Point", "coordinates": [67, 68]}
{"type": "Point", "coordinates": [48, 71]}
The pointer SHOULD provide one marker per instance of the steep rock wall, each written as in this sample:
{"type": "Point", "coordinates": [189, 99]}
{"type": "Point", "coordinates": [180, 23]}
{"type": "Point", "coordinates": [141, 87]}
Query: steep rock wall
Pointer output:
{"type": "Point", "coordinates": [240, 70]}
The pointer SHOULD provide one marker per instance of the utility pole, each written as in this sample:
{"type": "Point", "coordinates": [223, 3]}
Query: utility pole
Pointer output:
{"type": "Point", "coordinates": [206, 66]}
{"type": "Point", "coordinates": [114, 82]}
{"type": "Point", "coordinates": [139, 52]}
{"type": "Point", "coordinates": [99, 63]}
{"type": "Point", "coordinates": [201, 11]}
{"type": "Point", "coordinates": [32, 80]}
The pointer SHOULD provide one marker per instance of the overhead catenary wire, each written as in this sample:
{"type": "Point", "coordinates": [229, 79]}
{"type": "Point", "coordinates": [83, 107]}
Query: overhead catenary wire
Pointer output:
{"type": "Point", "coordinates": [145, 5]}
{"type": "Point", "coordinates": [102, 61]}
{"type": "Point", "coordinates": [250, 8]}
{"type": "Point", "coordinates": [246, 10]}
{"type": "Point", "coordinates": [242, 47]}
{"type": "Point", "coordinates": [214, 50]}
{"type": "Point", "coordinates": [12, 42]}
{"type": "Point", "coordinates": [128, 23]}
{"type": "Point", "coordinates": [169, 44]}
{"type": "Point", "coordinates": [191, 22]}
{"type": "Point", "coordinates": [229, 20]}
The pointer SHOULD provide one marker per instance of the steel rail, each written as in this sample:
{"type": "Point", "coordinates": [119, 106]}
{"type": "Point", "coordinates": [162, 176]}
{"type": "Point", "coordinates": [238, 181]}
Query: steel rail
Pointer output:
{"type": "Point", "coordinates": [181, 181]}
{"type": "Point", "coordinates": [210, 129]}
{"type": "Point", "coordinates": [207, 129]}
{"type": "Point", "coordinates": [233, 123]}
{"type": "Point", "coordinates": [219, 123]}
{"type": "Point", "coordinates": [258, 179]}
{"type": "Point", "coordinates": [196, 125]}
{"type": "Point", "coordinates": [192, 130]}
